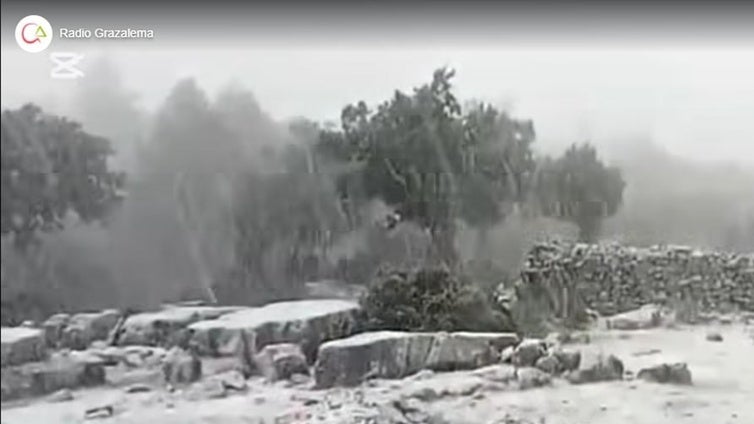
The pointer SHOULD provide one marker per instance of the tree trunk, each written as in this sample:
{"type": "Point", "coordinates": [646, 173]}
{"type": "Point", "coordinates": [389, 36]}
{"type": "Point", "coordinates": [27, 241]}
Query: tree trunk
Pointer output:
{"type": "Point", "coordinates": [589, 229]}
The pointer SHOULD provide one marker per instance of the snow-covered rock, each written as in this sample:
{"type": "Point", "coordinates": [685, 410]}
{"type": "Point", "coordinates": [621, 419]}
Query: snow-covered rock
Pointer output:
{"type": "Point", "coordinates": [396, 354]}
{"type": "Point", "coordinates": [22, 344]}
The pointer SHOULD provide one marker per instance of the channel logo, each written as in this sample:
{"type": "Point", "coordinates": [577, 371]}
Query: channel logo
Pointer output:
{"type": "Point", "coordinates": [33, 33]}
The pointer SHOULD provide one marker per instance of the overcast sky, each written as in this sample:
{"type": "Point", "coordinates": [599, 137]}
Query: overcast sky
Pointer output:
{"type": "Point", "coordinates": [694, 98]}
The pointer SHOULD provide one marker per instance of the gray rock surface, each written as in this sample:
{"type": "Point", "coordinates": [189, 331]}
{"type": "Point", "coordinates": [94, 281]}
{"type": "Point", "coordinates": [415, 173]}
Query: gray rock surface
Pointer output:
{"type": "Point", "coordinates": [160, 328]}
{"type": "Point", "coordinates": [281, 361]}
{"type": "Point", "coordinates": [19, 345]}
{"type": "Point", "coordinates": [181, 367]}
{"type": "Point", "coordinates": [308, 323]}
{"type": "Point", "coordinates": [598, 369]}
{"type": "Point", "coordinates": [53, 328]}
{"type": "Point", "coordinates": [84, 328]}
{"type": "Point", "coordinates": [395, 354]}
{"type": "Point", "coordinates": [61, 370]}
{"type": "Point", "coordinates": [677, 373]}
{"type": "Point", "coordinates": [528, 352]}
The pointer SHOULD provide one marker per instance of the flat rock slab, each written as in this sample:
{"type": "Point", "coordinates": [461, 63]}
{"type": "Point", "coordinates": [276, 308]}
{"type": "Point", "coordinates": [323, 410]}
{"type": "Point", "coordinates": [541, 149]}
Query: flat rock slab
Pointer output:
{"type": "Point", "coordinates": [158, 328]}
{"type": "Point", "coordinates": [84, 328]}
{"type": "Point", "coordinates": [21, 345]}
{"type": "Point", "coordinates": [396, 354]}
{"type": "Point", "coordinates": [60, 371]}
{"type": "Point", "coordinates": [307, 323]}
{"type": "Point", "coordinates": [648, 316]}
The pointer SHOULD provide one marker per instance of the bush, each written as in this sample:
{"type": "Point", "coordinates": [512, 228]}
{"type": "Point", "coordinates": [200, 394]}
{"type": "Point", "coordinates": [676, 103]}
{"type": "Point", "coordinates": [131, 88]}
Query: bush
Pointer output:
{"type": "Point", "coordinates": [430, 299]}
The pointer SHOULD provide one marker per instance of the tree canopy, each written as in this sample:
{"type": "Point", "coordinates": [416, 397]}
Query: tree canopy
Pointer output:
{"type": "Point", "coordinates": [422, 155]}
{"type": "Point", "coordinates": [51, 167]}
{"type": "Point", "coordinates": [580, 188]}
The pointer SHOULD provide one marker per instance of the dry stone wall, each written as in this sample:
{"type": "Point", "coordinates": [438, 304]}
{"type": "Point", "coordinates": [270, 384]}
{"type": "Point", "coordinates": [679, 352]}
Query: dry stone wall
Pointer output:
{"type": "Point", "coordinates": [614, 278]}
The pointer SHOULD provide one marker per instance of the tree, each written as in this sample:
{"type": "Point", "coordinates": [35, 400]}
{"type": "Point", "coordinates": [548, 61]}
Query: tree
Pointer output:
{"type": "Point", "coordinates": [422, 156]}
{"type": "Point", "coordinates": [51, 167]}
{"type": "Point", "coordinates": [498, 166]}
{"type": "Point", "coordinates": [580, 188]}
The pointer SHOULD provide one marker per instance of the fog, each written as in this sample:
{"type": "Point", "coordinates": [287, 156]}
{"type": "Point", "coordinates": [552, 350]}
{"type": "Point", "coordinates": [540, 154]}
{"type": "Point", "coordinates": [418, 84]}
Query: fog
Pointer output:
{"type": "Point", "coordinates": [682, 99]}
{"type": "Point", "coordinates": [677, 121]}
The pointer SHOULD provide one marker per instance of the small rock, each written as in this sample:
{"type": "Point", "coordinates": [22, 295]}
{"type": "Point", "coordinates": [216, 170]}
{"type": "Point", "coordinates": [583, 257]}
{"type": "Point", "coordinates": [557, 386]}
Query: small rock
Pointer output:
{"type": "Point", "coordinates": [99, 412]}
{"type": "Point", "coordinates": [62, 395]}
{"type": "Point", "coordinates": [426, 394]}
{"type": "Point", "coordinates": [207, 389]}
{"type": "Point", "coordinates": [607, 369]}
{"type": "Point", "coordinates": [528, 352]}
{"type": "Point", "coordinates": [423, 375]}
{"type": "Point", "coordinates": [568, 360]}
{"type": "Point", "coordinates": [180, 366]}
{"type": "Point", "coordinates": [667, 374]}
{"type": "Point", "coordinates": [138, 388]}
{"type": "Point", "coordinates": [281, 361]}
{"type": "Point", "coordinates": [506, 356]}
{"type": "Point", "coordinates": [714, 337]}
{"type": "Point", "coordinates": [549, 364]}
{"type": "Point", "coordinates": [232, 380]}
{"type": "Point", "coordinates": [298, 379]}
{"type": "Point", "coordinates": [529, 378]}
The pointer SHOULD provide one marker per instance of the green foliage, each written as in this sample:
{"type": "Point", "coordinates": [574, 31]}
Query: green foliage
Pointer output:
{"type": "Point", "coordinates": [424, 157]}
{"type": "Point", "coordinates": [430, 299]}
{"type": "Point", "coordinates": [51, 167]}
{"type": "Point", "coordinates": [580, 188]}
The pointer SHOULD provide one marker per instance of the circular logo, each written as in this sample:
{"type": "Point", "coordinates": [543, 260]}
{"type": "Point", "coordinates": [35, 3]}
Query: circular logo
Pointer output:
{"type": "Point", "coordinates": [33, 33]}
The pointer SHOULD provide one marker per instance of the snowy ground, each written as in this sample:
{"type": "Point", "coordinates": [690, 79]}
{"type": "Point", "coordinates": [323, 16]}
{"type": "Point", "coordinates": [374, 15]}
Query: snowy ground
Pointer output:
{"type": "Point", "coordinates": [723, 392]}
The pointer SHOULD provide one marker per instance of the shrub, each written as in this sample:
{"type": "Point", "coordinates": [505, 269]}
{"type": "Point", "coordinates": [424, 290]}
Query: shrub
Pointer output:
{"type": "Point", "coordinates": [430, 299]}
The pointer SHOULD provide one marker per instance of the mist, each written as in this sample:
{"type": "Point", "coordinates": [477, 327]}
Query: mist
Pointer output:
{"type": "Point", "coordinates": [189, 128]}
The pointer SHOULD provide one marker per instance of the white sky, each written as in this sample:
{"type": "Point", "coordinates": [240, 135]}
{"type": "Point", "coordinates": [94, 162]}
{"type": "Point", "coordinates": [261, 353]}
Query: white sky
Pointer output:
{"type": "Point", "coordinates": [696, 103]}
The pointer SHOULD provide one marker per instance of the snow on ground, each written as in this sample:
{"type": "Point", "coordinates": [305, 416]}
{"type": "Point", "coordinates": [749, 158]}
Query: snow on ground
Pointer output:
{"type": "Point", "coordinates": [723, 392]}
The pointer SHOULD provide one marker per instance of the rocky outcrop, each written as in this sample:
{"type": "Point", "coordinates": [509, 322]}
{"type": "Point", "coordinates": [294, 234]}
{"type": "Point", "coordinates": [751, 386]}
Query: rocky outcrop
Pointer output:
{"type": "Point", "coordinates": [394, 354]}
{"type": "Point", "coordinates": [163, 328]}
{"type": "Point", "coordinates": [307, 323]}
{"type": "Point", "coordinates": [22, 344]}
{"type": "Point", "coordinates": [61, 370]}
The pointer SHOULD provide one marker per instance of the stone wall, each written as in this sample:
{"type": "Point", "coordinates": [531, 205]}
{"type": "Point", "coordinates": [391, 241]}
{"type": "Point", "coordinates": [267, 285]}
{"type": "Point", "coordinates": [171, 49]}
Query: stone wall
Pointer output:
{"type": "Point", "coordinates": [614, 278]}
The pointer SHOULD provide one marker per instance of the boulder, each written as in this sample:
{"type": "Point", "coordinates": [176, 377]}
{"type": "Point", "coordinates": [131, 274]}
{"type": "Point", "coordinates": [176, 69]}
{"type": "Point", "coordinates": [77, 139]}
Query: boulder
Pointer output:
{"type": "Point", "coordinates": [181, 367]}
{"type": "Point", "coordinates": [600, 369]}
{"type": "Point", "coordinates": [281, 361]}
{"type": "Point", "coordinates": [22, 344]}
{"type": "Point", "coordinates": [60, 371]}
{"type": "Point", "coordinates": [528, 352]}
{"type": "Point", "coordinates": [677, 373]}
{"type": "Point", "coordinates": [648, 316]}
{"type": "Point", "coordinates": [570, 361]}
{"type": "Point", "coordinates": [396, 354]}
{"type": "Point", "coordinates": [84, 328]}
{"type": "Point", "coordinates": [308, 323]}
{"type": "Point", "coordinates": [549, 364]}
{"type": "Point", "coordinates": [53, 328]}
{"type": "Point", "coordinates": [161, 328]}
